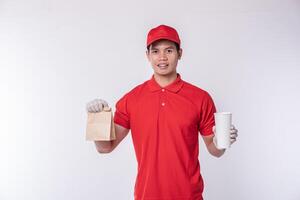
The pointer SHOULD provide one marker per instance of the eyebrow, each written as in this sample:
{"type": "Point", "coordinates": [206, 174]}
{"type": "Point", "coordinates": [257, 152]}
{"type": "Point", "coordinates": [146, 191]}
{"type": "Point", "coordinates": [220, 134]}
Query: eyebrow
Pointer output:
{"type": "Point", "coordinates": [169, 47]}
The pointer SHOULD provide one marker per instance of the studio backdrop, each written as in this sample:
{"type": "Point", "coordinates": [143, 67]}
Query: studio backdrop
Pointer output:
{"type": "Point", "coordinates": [55, 56]}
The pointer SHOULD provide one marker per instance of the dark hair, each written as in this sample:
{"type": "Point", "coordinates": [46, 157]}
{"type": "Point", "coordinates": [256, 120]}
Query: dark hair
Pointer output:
{"type": "Point", "coordinates": [176, 45]}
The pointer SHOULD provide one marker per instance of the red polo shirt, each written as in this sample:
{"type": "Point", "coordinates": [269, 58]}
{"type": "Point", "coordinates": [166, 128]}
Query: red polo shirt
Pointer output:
{"type": "Point", "coordinates": [164, 124]}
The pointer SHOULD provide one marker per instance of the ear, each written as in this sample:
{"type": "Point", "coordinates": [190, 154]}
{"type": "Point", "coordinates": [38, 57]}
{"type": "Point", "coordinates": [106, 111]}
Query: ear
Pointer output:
{"type": "Point", "coordinates": [179, 53]}
{"type": "Point", "coordinates": [148, 56]}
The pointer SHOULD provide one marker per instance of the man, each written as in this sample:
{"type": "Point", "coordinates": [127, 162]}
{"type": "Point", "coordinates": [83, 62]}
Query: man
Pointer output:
{"type": "Point", "coordinates": [165, 115]}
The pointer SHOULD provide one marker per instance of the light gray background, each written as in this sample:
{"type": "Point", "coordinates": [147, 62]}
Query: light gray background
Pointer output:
{"type": "Point", "coordinates": [55, 56]}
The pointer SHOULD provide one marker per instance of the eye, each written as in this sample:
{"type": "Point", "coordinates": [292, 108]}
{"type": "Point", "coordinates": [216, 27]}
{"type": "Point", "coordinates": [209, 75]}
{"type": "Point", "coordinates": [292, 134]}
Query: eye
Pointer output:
{"type": "Point", "coordinates": [154, 51]}
{"type": "Point", "coordinates": [170, 50]}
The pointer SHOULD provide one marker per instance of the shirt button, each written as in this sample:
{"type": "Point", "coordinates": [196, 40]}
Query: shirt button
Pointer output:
{"type": "Point", "coordinates": [163, 90]}
{"type": "Point", "coordinates": [163, 104]}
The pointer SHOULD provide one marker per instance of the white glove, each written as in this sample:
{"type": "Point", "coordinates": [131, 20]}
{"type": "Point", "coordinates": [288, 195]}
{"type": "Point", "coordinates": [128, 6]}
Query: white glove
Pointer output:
{"type": "Point", "coordinates": [96, 105]}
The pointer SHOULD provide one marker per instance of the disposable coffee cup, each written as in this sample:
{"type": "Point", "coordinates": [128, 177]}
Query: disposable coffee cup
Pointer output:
{"type": "Point", "coordinates": [222, 129]}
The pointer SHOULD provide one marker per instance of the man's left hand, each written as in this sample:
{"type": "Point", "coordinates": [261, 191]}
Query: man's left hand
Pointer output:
{"type": "Point", "coordinates": [233, 134]}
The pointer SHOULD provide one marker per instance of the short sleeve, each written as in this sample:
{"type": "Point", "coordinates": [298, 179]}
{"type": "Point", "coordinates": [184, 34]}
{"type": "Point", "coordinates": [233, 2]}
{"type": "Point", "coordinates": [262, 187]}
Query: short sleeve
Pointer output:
{"type": "Point", "coordinates": [207, 120]}
{"type": "Point", "coordinates": [121, 116]}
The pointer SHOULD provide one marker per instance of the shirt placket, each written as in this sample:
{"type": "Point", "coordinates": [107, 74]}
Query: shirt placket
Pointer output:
{"type": "Point", "coordinates": [163, 98]}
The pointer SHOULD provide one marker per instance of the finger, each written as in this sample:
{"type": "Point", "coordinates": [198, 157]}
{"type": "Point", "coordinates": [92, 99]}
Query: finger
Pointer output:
{"type": "Point", "coordinates": [104, 103]}
{"type": "Point", "coordinates": [233, 136]}
{"type": "Point", "coordinates": [89, 107]}
{"type": "Point", "coordinates": [232, 141]}
{"type": "Point", "coordinates": [98, 107]}
{"type": "Point", "coordinates": [94, 108]}
{"type": "Point", "coordinates": [232, 126]}
{"type": "Point", "coordinates": [233, 131]}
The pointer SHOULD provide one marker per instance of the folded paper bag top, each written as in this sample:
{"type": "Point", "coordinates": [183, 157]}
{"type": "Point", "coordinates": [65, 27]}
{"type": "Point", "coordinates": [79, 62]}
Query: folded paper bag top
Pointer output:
{"type": "Point", "coordinates": [100, 126]}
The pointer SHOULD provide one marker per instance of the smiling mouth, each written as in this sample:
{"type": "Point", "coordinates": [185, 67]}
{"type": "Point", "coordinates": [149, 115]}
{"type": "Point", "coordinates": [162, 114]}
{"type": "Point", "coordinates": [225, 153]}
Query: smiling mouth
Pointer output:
{"type": "Point", "coordinates": [162, 66]}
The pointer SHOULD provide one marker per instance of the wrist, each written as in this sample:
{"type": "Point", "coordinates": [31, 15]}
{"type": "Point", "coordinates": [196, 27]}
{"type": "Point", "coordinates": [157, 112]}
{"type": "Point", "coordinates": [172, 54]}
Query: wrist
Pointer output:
{"type": "Point", "coordinates": [217, 150]}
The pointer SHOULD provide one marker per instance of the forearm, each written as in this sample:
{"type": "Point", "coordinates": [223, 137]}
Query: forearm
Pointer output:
{"type": "Point", "coordinates": [213, 150]}
{"type": "Point", "coordinates": [103, 146]}
{"type": "Point", "coordinates": [109, 146]}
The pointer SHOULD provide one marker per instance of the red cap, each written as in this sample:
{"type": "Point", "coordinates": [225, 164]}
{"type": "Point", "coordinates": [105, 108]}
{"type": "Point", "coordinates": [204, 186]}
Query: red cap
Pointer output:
{"type": "Point", "coordinates": [163, 32]}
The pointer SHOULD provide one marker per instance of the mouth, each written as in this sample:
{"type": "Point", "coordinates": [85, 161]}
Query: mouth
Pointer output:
{"type": "Point", "coordinates": [163, 65]}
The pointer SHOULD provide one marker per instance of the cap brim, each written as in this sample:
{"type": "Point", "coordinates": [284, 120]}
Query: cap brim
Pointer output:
{"type": "Point", "coordinates": [162, 38]}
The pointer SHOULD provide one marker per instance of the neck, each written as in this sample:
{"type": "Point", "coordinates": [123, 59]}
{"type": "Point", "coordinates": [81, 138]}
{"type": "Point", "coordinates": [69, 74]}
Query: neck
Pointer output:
{"type": "Point", "coordinates": [165, 80]}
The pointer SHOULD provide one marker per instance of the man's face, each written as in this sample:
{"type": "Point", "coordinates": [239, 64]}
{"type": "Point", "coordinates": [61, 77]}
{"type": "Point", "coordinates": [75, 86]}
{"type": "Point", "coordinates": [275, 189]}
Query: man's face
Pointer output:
{"type": "Point", "coordinates": [164, 57]}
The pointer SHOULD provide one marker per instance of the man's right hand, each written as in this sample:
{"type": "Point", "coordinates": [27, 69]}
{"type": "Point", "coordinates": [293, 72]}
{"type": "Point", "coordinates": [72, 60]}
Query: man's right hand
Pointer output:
{"type": "Point", "coordinates": [96, 105]}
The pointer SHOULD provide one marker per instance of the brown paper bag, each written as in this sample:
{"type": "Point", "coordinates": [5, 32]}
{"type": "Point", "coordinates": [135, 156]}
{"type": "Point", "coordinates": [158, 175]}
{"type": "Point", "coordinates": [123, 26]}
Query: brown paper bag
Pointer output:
{"type": "Point", "coordinates": [100, 126]}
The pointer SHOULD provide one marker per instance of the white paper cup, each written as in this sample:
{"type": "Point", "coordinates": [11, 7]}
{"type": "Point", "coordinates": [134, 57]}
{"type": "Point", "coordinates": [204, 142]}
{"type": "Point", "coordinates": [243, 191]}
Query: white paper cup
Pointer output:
{"type": "Point", "coordinates": [223, 124]}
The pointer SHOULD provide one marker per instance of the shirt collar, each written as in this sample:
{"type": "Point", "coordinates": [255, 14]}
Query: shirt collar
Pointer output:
{"type": "Point", "coordinates": [174, 87]}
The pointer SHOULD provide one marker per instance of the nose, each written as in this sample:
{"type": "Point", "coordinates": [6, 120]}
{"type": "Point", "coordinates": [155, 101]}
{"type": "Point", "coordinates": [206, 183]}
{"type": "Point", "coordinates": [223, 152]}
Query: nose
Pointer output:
{"type": "Point", "coordinates": [162, 56]}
